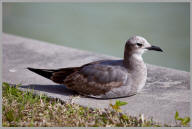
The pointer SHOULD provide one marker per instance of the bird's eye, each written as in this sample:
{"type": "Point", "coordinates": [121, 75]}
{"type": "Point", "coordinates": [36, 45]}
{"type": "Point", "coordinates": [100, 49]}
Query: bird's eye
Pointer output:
{"type": "Point", "coordinates": [139, 44]}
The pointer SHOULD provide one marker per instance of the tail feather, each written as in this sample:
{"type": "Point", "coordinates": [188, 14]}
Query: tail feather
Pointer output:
{"type": "Point", "coordinates": [56, 75]}
{"type": "Point", "coordinates": [43, 72]}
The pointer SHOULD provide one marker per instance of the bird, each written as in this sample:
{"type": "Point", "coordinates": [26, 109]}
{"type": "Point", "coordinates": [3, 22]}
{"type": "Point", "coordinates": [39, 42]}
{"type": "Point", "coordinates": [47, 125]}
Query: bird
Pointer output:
{"type": "Point", "coordinates": [106, 79]}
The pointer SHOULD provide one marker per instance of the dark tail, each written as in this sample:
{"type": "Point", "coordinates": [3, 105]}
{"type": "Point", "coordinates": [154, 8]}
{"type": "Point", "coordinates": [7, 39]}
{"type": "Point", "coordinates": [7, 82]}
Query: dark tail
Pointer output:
{"type": "Point", "coordinates": [56, 75]}
{"type": "Point", "coordinates": [47, 73]}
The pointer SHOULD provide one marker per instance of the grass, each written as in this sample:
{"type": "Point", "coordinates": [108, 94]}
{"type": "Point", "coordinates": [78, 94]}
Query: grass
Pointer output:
{"type": "Point", "coordinates": [26, 109]}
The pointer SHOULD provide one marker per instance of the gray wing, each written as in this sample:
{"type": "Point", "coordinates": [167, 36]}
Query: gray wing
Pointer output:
{"type": "Point", "coordinates": [97, 79]}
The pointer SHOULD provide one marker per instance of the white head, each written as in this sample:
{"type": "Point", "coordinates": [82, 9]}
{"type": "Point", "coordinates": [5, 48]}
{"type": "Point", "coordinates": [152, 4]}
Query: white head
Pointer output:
{"type": "Point", "coordinates": [137, 45]}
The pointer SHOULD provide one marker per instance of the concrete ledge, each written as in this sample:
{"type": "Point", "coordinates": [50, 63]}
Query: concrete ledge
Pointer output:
{"type": "Point", "coordinates": [167, 90]}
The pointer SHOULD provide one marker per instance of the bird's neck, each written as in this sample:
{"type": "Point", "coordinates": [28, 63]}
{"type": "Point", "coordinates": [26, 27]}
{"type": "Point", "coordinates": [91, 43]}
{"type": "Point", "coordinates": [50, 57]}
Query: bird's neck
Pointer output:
{"type": "Point", "coordinates": [133, 61]}
{"type": "Point", "coordinates": [135, 65]}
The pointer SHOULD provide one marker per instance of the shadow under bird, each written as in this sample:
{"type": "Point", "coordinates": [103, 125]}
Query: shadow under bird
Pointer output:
{"type": "Point", "coordinates": [106, 79]}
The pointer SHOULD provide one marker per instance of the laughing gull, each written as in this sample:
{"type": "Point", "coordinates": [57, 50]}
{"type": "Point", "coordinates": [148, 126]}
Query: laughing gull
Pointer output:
{"type": "Point", "coordinates": [106, 79]}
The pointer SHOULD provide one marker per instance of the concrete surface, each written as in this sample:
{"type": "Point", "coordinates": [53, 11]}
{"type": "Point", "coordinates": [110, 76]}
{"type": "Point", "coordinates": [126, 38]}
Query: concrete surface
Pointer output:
{"type": "Point", "coordinates": [166, 91]}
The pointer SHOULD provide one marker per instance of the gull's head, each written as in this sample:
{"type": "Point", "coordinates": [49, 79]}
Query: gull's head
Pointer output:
{"type": "Point", "coordinates": [138, 45]}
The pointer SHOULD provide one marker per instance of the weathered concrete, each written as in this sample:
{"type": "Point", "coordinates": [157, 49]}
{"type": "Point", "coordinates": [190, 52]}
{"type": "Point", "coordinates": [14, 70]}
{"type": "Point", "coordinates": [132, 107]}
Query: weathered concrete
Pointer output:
{"type": "Point", "coordinates": [166, 91]}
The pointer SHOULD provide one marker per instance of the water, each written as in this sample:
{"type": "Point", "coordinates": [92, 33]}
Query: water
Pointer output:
{"type": "Point", "coordinates": [104, 27]}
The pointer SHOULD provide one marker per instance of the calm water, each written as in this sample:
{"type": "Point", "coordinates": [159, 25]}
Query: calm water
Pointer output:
{"type": "Point", "coordinates": [104, 27]}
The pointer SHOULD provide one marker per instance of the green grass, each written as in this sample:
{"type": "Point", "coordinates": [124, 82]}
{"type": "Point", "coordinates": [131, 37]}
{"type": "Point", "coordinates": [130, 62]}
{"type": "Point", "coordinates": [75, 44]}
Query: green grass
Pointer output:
{"type": "Point", "coordinates": [26, 109]}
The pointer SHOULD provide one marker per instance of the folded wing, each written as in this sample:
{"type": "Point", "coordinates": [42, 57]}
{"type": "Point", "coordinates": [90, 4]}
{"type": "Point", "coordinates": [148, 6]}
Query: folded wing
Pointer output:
{"type": "Point", "coordinates": [96, 79]}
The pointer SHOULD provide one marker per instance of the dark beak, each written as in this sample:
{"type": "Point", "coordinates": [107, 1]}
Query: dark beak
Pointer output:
{"type": "Point", "coordinates": [155, 48]}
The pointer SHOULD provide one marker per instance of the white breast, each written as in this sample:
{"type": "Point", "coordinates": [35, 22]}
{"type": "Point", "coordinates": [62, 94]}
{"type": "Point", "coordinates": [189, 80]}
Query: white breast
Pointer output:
{"type": "Point", "coordinates": [142, 79]}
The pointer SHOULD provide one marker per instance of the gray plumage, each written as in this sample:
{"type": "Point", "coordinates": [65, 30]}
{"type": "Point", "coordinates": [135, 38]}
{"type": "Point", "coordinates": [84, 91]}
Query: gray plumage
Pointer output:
{"type": "Point", "coordinates": [106, 78]}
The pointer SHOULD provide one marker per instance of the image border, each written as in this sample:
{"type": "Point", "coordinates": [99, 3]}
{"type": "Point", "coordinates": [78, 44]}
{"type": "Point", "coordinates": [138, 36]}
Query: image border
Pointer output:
{"type": "Point", "coordinates": [1, 27]}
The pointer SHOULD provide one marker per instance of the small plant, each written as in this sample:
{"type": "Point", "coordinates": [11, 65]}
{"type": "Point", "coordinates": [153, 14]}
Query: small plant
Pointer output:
{"type": "Point", "coordinates": [183, 121]}
{"type": "Point", "coordinates": [117, 105]}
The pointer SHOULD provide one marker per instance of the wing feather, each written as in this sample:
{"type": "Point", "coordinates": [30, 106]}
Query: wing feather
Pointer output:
{"type": "Point", "coordinates": [96, 79]}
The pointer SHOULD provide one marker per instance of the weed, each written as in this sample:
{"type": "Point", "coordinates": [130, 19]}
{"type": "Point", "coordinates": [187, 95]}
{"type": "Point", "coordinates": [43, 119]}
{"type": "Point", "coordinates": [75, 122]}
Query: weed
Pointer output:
{"type": "Point", "coordinates": [183, 121]}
